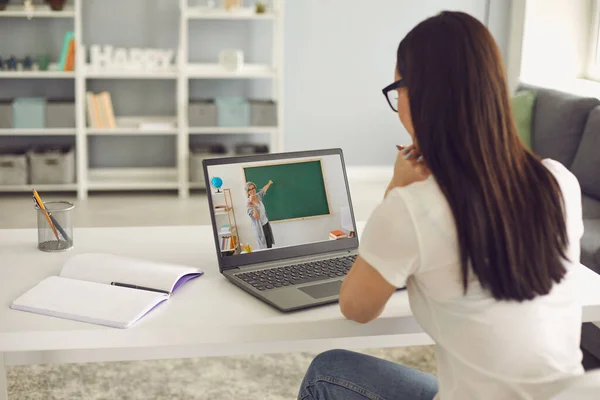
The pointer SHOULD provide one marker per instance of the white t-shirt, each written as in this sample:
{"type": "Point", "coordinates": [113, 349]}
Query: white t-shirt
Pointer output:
{"type": "Point", "coordinates": [486, 349]}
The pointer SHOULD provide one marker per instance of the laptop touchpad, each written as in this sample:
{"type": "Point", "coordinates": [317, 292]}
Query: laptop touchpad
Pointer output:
{"type": "Point", "coordinates": [323, 289]}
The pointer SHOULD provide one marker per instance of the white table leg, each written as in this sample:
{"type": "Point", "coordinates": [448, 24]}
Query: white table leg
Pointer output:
{"type": "Point", "coordinates": [3, 381]}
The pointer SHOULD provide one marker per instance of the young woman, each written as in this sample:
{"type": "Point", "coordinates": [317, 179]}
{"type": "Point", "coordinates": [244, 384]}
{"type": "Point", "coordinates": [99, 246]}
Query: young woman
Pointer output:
{"type": "Point", "coordinates": [258, 215]}
{"type": "Point", "coordinates": [482, 232]}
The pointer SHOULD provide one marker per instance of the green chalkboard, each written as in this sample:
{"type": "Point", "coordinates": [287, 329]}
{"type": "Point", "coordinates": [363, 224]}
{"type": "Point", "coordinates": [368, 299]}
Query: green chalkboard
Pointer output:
{"type": "Point", "coordinates": [298, 189]}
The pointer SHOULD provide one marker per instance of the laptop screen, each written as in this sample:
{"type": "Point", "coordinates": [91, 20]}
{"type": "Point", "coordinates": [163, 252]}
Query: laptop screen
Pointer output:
{"type": "Point", "coordinates": [275, 206]}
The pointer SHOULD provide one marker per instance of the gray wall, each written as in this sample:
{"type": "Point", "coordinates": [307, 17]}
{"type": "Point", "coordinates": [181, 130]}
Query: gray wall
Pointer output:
{"type": "Point", "coordinates": [335, 68]}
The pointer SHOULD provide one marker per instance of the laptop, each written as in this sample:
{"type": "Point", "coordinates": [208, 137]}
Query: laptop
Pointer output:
{"type": "Point", "coordinates": [291, 242]}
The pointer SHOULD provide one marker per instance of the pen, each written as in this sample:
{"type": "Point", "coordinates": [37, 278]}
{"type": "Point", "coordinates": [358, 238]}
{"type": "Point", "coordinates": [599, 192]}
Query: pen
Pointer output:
{"type": "Point", "coordinates": [40, 204]}
{"type": "Point", "coordinates": [48, 214]}
{"type": "Point", "coordinates": [127, 285]}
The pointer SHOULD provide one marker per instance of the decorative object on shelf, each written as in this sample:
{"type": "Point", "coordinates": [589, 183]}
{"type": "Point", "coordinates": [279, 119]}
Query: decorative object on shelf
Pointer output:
{"type": "Point", "coordinates": [246, 248]}
{"type": "Point", "coordinates": [231, 59]}
{"type": "Point", "coordinates": [43, 62]}
{"type": "Point", "coordinates": [28, 63]}
{"type": "Point", "coordinates": [56, 5]}
{"type": "Point", "coordinates": [11, 63]}
{"type": "Point", "coordinates": [107, 57]}
{"type": "Point", "coordinates": [3, 4]}
{"type": "Point", "coordinates": [261, 7]}
{"type": "Point", "coordinates": [217, 183]}
{"type": "Point", "coordinates": [232, 4]}
{"type": "Point", "coordinates": [28, 6]}
{"type": "Point", "coordinates": [211, 4]}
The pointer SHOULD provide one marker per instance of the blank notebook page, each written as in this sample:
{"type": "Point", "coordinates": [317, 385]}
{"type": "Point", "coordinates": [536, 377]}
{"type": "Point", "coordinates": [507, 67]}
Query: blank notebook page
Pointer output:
{"type": "Point", "coordinates": [91, 302]}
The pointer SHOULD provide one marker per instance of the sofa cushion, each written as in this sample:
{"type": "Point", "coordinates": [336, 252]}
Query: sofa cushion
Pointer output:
{"type": "Point", "coordinates": [586, 165]}
{"type": "Point", "coordinates": [558, 123]}
{"type": "Point", "coordinates": [590, 244]}
{"type": "Point", "coordinates": [591, 207]}
{"type": "Point", "coordinates": [522, 107]}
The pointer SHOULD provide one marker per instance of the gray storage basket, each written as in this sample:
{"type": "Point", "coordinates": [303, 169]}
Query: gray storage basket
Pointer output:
{"type": "Point", "coordinates": [6, 115]}
{"type": "Point", "coordinates": [13, 169]}
{"type": "Point", "coordinates": [202, 113]}
{"type": "Point", "coordinates": [60, 114]}
{"type": "Point", "coordinates": [263, 113]}
{"type": "Point", "coordinates": [52, 167]}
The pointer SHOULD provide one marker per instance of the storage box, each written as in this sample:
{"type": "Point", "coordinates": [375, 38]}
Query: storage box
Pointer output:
{"type": "Point", "coordinates": [60, 114]}
{"type": "Point", "coordinates": [202, 113]}
{"type": "Point", "coordinates": [6, 115]}
{"type": "Point", "coordinates": [263, 113]}
{"type": "Point", "coordinates": [52, 167]}
{"type": "Point", "coordinates": [233, 112]}
{"type": "Point", "coordinates": [197, 155]}
{"type": "Point", "coordinates": [13, 169]}
{"type": "Point", "coordinates": [248, 149]}
{"type": "Point", "coordinates": [29, 113]}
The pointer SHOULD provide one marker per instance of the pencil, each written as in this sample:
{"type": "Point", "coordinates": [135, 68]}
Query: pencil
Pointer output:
{"type": "Point", "coordinates": [43, 208]}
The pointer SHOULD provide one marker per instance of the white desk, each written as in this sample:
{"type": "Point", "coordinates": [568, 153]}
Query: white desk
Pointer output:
{"type": "Point", "coordinates": [208, 316]}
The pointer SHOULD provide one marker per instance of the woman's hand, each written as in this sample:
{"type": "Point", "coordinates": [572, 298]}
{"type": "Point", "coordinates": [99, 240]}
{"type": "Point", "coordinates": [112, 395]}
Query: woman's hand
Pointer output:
{"type": "Point", "coordinates": [270, 182]}
{"type": "Point", "coordinates": [410, 167]}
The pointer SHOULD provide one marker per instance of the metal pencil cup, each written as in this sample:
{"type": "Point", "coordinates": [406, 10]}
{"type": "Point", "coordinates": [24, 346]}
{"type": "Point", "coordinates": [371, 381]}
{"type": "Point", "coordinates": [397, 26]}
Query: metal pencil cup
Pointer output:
{"type": "Point", "coordinates": [55, 226]}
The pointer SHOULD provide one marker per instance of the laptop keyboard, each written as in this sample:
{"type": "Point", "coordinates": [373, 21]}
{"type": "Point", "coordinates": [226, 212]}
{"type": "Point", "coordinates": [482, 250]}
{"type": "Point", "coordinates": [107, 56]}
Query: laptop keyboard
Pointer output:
{"type": "Point", "coordinates": [297, 274]}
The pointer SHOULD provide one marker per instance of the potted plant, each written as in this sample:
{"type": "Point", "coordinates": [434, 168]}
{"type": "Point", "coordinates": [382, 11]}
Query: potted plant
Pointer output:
{"type": "Point", "coordinates": [56, 5]}
{"type": "Point", "coordinates": [3, 4]}
{"type": "Point", "coordinates": [261, 7]}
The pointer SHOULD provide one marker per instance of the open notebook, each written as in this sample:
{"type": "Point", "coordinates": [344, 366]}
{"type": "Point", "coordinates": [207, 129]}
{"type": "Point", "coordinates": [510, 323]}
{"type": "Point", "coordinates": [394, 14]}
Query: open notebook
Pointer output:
{"type": "Point", "coordinates": [86, 289]}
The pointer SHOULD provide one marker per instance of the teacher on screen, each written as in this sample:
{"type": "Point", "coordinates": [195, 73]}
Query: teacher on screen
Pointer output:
{"type": "Point", "coordinates": [256, 210]}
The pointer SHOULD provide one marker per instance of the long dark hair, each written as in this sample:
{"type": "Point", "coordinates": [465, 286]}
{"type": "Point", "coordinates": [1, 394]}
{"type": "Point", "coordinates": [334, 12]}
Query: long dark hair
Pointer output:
{"type": "Point", "coordinates": [507, 206]}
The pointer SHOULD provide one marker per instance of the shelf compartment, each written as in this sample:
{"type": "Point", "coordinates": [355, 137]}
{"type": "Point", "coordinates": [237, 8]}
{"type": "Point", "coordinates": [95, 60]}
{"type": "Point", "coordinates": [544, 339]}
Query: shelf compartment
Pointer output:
{"type": "Point", "coordinates": [132, 179]}
{"type": "Point", "coordinates": [216, 71]}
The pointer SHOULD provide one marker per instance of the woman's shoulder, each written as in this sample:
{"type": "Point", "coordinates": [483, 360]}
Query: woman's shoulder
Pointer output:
{"type": "Point", "coordinates": [565, 178]}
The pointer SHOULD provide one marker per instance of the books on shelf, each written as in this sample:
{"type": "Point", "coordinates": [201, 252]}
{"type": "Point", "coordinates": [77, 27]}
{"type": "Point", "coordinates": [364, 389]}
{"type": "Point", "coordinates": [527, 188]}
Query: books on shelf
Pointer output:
{"type": "Point", "coordinates": [228, 243]}
{"type": "Point", "coordinates": [100, 111]}
{"type": "Point", "coordinates": [104, 289]}
{"type": "Point", "coordinates": [67, 54]}
{"type": "Point", "coordinates": [337, 234]}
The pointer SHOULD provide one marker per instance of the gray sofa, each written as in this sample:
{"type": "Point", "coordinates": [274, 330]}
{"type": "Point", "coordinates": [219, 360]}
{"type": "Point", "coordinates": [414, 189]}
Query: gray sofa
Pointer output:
{"type": "Point", "coordinates": [566, 128]}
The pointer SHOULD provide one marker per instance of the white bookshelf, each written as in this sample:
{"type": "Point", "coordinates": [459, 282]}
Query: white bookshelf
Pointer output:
{"type": "Point", "coordinates": [246, 13]}
{"type": "Point", "coordinates": [175, 178]}
{"type": "Point", "coordinates": [39, 132]}
{"type": "Point", "coordinates": [214, 130]}
{"type": "Point", "coordinates": [36, 74]}
{"type": "Point", "coordinates": [37, 11]}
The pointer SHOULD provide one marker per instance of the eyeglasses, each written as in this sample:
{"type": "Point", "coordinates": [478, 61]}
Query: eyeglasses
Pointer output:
{"type": "Point", "coordinates": [251, 188]}
{"type": "Point", "coordinates": [391, 93]}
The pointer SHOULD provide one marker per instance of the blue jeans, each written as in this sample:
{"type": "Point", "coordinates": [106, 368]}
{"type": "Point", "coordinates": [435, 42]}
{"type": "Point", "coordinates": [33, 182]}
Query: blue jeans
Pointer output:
{"type": "Point", "coordinates": [341, 374]}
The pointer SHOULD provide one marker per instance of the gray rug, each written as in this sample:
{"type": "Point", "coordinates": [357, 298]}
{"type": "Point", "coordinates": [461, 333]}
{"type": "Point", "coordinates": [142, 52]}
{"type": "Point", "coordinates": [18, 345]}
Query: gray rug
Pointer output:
{"type": "Point", "coordinates": [264, 377]}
